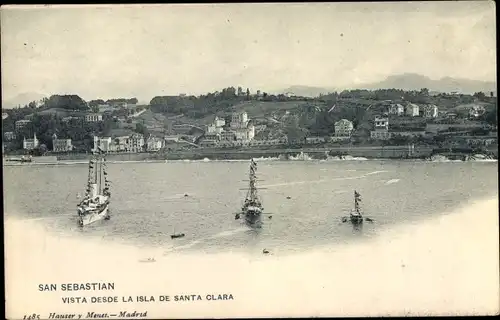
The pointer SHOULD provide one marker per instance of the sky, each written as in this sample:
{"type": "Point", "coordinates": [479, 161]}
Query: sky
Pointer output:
{"type": "Point", "coordinates": [147, 50]}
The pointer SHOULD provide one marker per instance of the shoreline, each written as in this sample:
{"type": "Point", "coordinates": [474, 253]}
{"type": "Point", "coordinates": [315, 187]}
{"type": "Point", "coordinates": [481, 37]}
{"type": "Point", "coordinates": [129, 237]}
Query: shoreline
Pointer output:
{"type": "Point", "coordinates": [399, 153]}
{"type": "Point", "coordinates": [206, 160]}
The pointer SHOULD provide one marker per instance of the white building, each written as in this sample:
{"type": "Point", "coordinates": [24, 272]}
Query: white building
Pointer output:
{"type": "Point", "coordinates": [132, 144]}
{"type": "Point", "coordinates": [9, 136]}
{"type": "Point", "coordinates": [245, 134]}
{"type": "Point", "coordinates": [431, 111]}
{"type": "Point", "coordinates": [93, 117]}
{"type": "Point", "coordinates": [216, 126]}
{"type": "Point", "coordinates": [5, 115]}
{"type": "Point", "coordinates": [239, 120]}
{"type": "Point", "coordinates": [119, 144]}
{"type": "Point", "coordinates": [412, 110]}
{"type": "Point", "coordinates": [61, 145]}
{"type": "Point", "coordinates": [343, 128]}
{"type": "Point", "coordinates": [30, 144]}
{"type": "Point", "coordinates": [70, 118]}
{"type": "Point", "coordinates": [22, 123]}
{"type": "Point", "coordinates": [476, 111]}
{"type": "Point", "coordinates": [104, 143]}
{"type": "Point", "coordinates": [381, 123]}
{"type": "Point", "coordinates": [312, 140]}
{"type": "Point", "coordinates": [396, 109]}
{"type": "Point", "coordinates": [381, 129]}
{"type": "Point", "coordinates": [219, 122]}
{"type": "Point", "coordinates": [154, 144]}
{"type": "Point", "coordinates": [135, 143]}
{"type": "Point", "coordinates": [243, 129]}
{"type": "Point", "coordinates": [380, 135]}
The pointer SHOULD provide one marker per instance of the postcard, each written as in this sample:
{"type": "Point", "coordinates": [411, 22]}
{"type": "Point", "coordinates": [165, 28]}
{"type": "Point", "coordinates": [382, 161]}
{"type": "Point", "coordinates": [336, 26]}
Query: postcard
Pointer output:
{"type": "Point", "coordinates": [173, 161]}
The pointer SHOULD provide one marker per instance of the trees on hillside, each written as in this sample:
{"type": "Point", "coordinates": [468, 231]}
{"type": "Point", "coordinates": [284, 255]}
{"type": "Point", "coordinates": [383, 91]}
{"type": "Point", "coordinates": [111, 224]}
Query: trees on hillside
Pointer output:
{"type": "Point", "coordinates": [69, 102]}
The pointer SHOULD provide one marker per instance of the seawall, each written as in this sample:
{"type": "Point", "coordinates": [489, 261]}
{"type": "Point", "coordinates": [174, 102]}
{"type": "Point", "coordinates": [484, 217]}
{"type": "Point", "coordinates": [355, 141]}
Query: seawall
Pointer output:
{"type": "Point", "coordinates": [389, 152]}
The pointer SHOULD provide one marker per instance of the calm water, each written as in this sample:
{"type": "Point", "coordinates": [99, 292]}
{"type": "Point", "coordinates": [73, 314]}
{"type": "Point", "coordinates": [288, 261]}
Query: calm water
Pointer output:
{"type": "Point", "coordinates": [148, 201]}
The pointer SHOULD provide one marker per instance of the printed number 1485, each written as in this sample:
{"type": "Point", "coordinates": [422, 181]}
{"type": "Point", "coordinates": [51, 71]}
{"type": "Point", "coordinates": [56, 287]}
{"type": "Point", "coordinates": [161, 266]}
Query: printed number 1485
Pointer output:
{"type": "Point", "coordinates": [33, 316]}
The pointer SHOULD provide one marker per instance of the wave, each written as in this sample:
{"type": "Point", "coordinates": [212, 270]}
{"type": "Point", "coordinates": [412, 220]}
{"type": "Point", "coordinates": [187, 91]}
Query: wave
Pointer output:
{"type": "Point", "coordinates": [346, 158]}
{"type": "Point", "coordinates": [323, 180]}
{"type": "Point", "coordinates": [392, 181]}
{"type": "Point", "coordinates": [301, 157]}
{"type": "Point", "coordinates": [224, 160]}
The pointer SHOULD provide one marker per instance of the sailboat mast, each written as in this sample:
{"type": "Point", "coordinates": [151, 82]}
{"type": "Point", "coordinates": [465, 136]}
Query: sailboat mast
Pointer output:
{"type": "Point", "coordinates": [100, 178]}
{"type": "Point", "coordinates": [95, 169]}
{"type": "Point", "coordinates": [356, 202]}
{"type": "Point", "coordinates": [253, 189]}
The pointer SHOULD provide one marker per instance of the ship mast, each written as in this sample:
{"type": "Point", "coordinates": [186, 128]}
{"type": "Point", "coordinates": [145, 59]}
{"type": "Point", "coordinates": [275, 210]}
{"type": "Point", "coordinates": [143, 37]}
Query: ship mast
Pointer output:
{"type": "Point", "coordinates": [100, 175]}
{"type": "Point", "coordinates": [96, 168]}
{"type": "Point", "coordinates": [357, 200]}
{"type": "Point", "coordinates": [252, 177]}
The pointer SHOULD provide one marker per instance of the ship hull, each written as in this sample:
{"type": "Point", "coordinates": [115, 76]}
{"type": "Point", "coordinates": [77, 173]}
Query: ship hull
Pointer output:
{"type": "Point", "coordinates": [356, 219]}
{"type": "Point", "coordinates": [93, 216]}
{"type": "Point", "coordinates": [252, 217]}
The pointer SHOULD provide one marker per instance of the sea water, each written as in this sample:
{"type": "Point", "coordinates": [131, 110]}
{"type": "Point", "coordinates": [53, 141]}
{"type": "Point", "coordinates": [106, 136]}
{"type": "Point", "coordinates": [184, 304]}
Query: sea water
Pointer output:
{"type": "Point", "coordinates": [433, 248]}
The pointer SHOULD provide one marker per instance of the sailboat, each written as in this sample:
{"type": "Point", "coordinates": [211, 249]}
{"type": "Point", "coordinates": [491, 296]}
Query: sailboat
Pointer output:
{"type": "Point", "coordinates": [95, 204]}
{"type": "Point", "coordinates": [252, 207]}
{"type": "Point", "coordinates": [356, 216]}
{"type": "Point", "coordinates": [176, 235]}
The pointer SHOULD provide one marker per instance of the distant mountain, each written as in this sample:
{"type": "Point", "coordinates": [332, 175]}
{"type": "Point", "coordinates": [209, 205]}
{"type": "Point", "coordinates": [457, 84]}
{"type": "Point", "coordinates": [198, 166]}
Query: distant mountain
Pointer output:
{"type": "Point", "coordinates": [22, 99]}
{"type": "Point", "coordinates": [412, 81]}
{"type": "Point", "coordinates": [407, 81]}
{"type": "Point", "coordinates": [306, 91]}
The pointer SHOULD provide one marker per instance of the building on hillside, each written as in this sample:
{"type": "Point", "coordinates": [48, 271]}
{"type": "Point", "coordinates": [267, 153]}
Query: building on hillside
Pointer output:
{"type": "Point", "coordinates": [239, 120]}
{"type": "Point", "coordinates": [476, 111]}
{"type": "Point", "coordinates": [102, 143]}
{"type": "Point", "coordinates": [412, 110]}
{"type": "Point", "coordinates": [70, 119]}
{"type": "Point", "coordinates": [313, 140]}
{"type": "Point", "coordinates": [93, 117]}
{"type": "Point", "coordinates": [451, 115]}
{"type": "Point", "coordinates": [381, 123]}
{"type": "Point", "coordinates": [61, 145]}
{"type": "Point", "coordinates": [243, 128]}
{"type": "Point", "coordinates": [30, 144]}
{"type": "Point", "coordinates": [119, 144]}
{"type": "Point", "coordinates": [229, 135]}
{"type": "Point", "coordinates": [135, 143]}
{"type": "Point", "coordinates": [181, 128]}
{"type": "Point", "coordinates": [217, 126]}
{"type": "Point", "coordinates": [381, 129]}
{"type": "Point", "coordinates": [154, 144]}
{"type": "Point", "coordinates": [245, 134]}
{"type": "Point", "coordinates": [20, 124]}
{"type": "Point", "coordinates": [9, 136]}
{"type": "Point", "coordinates": [411, 134]}
{"type": "Point", "coordinates": [396, 109]}
{"type": "Point", "coordinates": [5, 115]}
{"type": "Point", "coordinates": [104, 107]}
{"type": "Point", "coordinates": [431, 111]}
{"type": "Point", "coordinates": [343, 128]}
